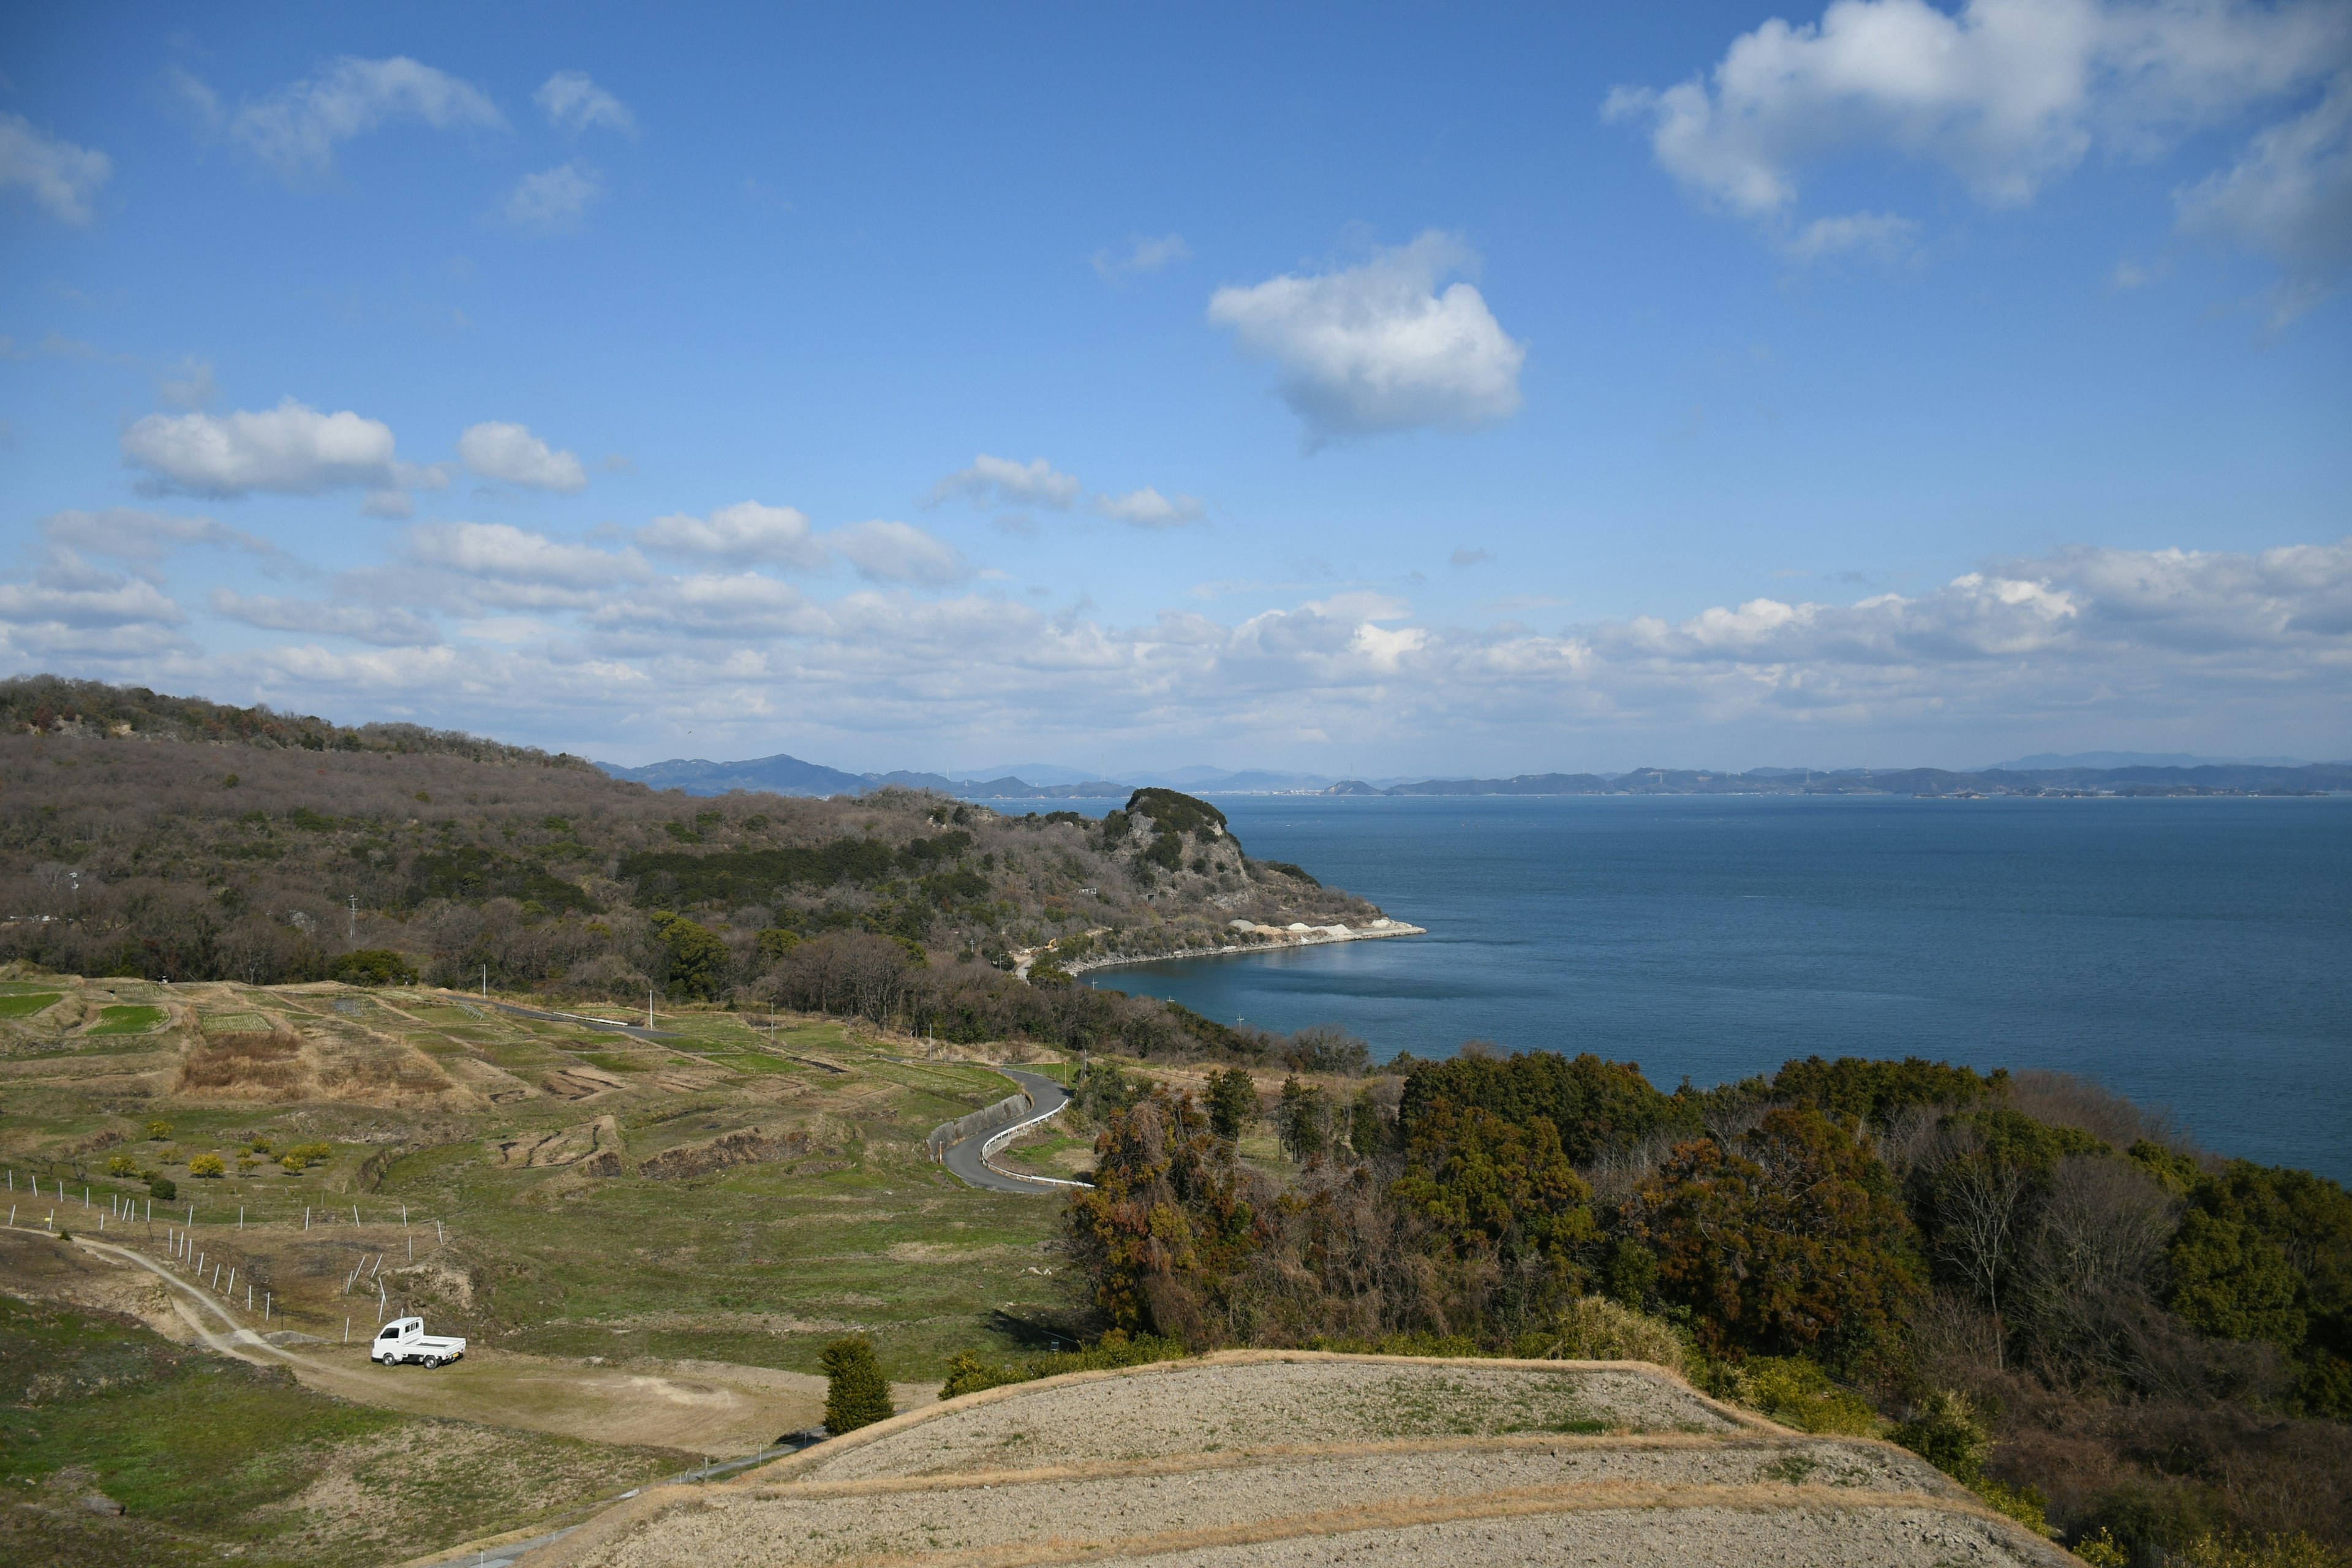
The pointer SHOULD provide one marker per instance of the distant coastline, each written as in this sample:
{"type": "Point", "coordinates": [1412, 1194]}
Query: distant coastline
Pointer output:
{"type": "Point", "coordinates": [790, 775]}
{"type": "Point", "coordinates": [1274, 939]}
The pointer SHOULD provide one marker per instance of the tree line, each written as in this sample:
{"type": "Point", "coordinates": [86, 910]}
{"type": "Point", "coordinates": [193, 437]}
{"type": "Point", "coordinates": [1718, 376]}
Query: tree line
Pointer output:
{"type": "Point", "coordinates": [2160, 1338]}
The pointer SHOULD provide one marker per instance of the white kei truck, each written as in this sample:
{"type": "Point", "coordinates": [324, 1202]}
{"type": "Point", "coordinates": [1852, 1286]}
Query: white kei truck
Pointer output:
{"type": "Point", "coordinates": [405, 1339]}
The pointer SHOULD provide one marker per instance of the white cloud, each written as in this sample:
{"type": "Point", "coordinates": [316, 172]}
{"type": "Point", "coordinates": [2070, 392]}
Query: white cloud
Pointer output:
{"type": "Point", "coordinates": [2005, 95]}
{"type": "Point", "coordinates": [386, 626]}
{"type": "Point", "coordinates": [69, 611]}
{"type": "Point", "coordinates": [554, 199]}
{"type": "Point", "coordinates": [898, 552]}
{"type": "Point", "coordinates": [1004, 482]}
{"type": "Point", "coordinates": [2289, 198]}
{"type": "Point", "coordinates": [512, 455]}
{"type": "Point", "coordinates": [1881, 234]}
{"type": "Point", "coordinates": [133, 535]}
{"type": "Point", "coordinates": [1144, 255]}
{"type": "Point", "coordinates": [707, 604]}
{"type": "Point", "coordinates": [61, 178]}
{"type": "Point", "coordinates": [505, 554]}
{"type": "Point", "coordinates": [2215, 650]}
{"type": "Point", "coordinates": [1376, 347]}
{"type": "Point", "coordinates": [573, 102]}
{"type": "Point", "coordinates": [744, 534]}
{"type": "Point", "coordinates": [294, 132]}
{"type": "Point", "coordinates": [1147, 508]}
{"type": "Point", "coordinates": [293, 449]}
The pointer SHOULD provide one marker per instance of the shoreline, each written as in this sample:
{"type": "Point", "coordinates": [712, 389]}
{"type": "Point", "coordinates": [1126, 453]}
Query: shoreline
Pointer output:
{"type": "Point", "coordinates": [1315, 936]}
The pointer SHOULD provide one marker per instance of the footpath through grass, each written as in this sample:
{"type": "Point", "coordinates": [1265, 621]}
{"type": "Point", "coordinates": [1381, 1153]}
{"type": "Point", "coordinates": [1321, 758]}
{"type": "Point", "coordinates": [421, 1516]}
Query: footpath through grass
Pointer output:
{"type": "Point", "coordinates": [210, 1455]}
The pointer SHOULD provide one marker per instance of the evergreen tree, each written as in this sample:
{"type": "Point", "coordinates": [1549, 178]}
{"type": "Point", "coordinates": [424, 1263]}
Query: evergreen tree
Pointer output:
{"type": "Point", "coordinates": [856, 1393]}
{"type": "Point", "coordinates": [1233, 1102]}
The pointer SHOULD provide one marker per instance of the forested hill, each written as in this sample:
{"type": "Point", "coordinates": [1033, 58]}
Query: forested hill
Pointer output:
{"type": "Point", "coordinates": [295, 844]}
{"type": "Point", "coordinates": [49, 705]}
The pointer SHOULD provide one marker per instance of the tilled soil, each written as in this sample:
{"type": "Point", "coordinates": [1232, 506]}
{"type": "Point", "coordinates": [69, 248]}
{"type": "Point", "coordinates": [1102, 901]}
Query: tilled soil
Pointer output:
{"type": "Point", "coordinates": [1809, 1537]}
{"type": "Point", "coordinates": [1196, 1407]}
{"type": "Point", "coordinates": [1092, 1507]}
{"type": "Point", "coordinates": [1264, 1462]}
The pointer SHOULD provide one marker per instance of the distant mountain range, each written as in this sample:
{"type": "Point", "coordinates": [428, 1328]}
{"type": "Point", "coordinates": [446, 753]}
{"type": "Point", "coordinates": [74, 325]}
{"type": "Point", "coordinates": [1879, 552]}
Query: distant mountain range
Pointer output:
{"type": "Point", "coordinates": [2089, 772]}
{"type": "Point", "coordinates": [2046, 760]}
{"type": "Point", "coordinates": [783, 775]}
{"type": "Point", "coordinates": [2235, 778]}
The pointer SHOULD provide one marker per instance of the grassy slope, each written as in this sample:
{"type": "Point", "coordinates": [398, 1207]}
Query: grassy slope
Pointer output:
{"type": "Point", "coordinates": [208, 1455]}
{"type": "Point", "coordinates": [758, 1264]}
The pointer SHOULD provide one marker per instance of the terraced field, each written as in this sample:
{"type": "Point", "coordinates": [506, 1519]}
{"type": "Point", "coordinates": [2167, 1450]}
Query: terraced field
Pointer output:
{"type": "Point", "coordinates": [1289, 1458]}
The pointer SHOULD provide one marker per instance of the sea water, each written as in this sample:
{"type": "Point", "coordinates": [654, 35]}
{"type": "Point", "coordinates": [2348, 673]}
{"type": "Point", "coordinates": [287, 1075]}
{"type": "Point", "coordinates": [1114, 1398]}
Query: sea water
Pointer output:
{"type": "Point", "coordinates": [2189, 953]}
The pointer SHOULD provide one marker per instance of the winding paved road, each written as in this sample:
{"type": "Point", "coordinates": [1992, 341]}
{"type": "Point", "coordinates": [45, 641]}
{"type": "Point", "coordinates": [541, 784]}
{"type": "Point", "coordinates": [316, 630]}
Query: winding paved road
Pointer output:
{"type": "Point", "coordinates": [1046, 1097]}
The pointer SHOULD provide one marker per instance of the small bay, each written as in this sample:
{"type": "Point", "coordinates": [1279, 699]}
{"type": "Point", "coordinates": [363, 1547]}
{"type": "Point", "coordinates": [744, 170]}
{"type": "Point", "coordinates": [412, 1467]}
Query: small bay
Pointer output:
{"type": "Point", "coordinates": [2195, 954]}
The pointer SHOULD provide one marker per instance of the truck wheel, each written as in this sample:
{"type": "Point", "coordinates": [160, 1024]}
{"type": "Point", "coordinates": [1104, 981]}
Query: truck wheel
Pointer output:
{"type": "Point", "coordinates": [431, 1362]}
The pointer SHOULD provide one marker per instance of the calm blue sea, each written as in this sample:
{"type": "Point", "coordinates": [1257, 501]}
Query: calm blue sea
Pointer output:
{"type": "Point", "coordinates": [2192, 954]}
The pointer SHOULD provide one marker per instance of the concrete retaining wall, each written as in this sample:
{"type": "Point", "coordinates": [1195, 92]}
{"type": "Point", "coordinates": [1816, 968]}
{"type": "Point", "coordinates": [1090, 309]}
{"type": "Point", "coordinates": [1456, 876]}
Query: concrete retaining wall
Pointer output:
{"type": "Point", "coordinates": [1003, 1113]}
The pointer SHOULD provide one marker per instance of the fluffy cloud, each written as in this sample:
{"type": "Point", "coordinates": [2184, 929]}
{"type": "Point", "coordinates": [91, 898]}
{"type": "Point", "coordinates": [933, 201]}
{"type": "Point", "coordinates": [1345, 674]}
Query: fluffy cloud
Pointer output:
{"type": "Point", "coordinates": [511, 455]}
{"type": "Point", "coordinates": [503, 553]}
{"type": "Point", "coordinates": [134, 535]}
{"type": "Point", "coordinates": [294, 131]}
{"type": "Point", "coordinates": [1144, 255]}
{"type": "Point", "coordinates": [388, 627]}
{"type": "Point", "coordinates": [1004, 482]}
{"type": "Point", "coordinates": [744, 534]}
{"type": "Point", "coordinates": [2005, 95]}
{"type": "Point", "coordinates": [1377, 347]}
{"type": "Point", "coordinates": [2290, 198]}
{"type": "Point", "coordinates": [68, 613]}
{"type": "Point", "coordinates": [2219, 651]}
{"type": "Point", "coordinates": [573, 102]}
{"type": "Point", "coordinates": [1147, 508]}
{"type": "Point", "coordinates": [59, 177]}
{"type": "Point", "coordinates": [896, 552]}
{"type": "Point", "coordinates": [293, 449]}
{"type": "Point", "coordinates": [554, 199]}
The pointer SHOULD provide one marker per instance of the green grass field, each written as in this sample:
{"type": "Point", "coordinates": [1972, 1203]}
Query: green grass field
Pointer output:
{"type": "Point", "coordinates": [759, 1263]}
{"type": "Point", "coordinates": [24, 1004]}
{"type": "Point", "coordinates": [211, 1456]}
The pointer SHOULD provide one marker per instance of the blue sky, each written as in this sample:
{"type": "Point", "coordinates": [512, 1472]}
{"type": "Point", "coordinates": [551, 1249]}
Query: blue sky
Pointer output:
{"type": "Point", "coordinates": [1376, 390]}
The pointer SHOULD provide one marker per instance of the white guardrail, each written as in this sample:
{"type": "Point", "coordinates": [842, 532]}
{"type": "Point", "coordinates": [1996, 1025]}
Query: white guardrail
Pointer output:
{"type": "Point", "coordinates": [996, 1141]}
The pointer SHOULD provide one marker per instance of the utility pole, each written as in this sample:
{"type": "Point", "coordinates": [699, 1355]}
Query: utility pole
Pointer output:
{"type": "Point", "coordinates": [486, 983]}
{"type": "Point", "coordinates": [649, 1007]}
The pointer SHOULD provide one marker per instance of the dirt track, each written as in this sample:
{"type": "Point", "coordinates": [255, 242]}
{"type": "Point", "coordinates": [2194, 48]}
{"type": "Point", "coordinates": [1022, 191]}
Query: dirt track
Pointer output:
{"type": "Point", "coordinates": [696, 1408]}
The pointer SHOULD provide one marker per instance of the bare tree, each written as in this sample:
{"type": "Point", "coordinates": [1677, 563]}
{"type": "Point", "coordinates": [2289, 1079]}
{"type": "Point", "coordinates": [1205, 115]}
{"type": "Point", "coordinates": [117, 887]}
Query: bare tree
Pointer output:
{"type": "Point", "coordinates": [1976, 1203]}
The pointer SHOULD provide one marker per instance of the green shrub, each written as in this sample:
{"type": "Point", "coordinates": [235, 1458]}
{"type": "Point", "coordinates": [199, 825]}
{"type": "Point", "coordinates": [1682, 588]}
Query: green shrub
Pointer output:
{"type": "Point", "coordinates": [856, 1393]}
{"type": "Point", "coordinates": [161, 1186]}
{"type": "Point", "coordinates": [966, 1374]}
{"type": "Point", "coordinates": [2233, 1550]}
{"type": "Point", "coordinates": [2023, 1504]}
{"type": "Point", "coordinates": [1594, 1328]}
{"type": "Point", "coordinates": [374, 966]}
{"type": "Point", "coordinates": [1795, 1393]}
{"type": "Point", "coordinates": [2101, 1550]}
{"type": "Point", "coordinates": [1947, 1433]}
